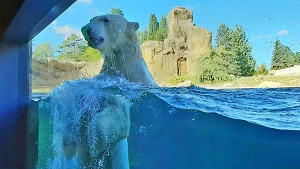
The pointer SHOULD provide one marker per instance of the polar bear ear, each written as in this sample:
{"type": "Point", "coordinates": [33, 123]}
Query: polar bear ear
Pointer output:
{"type": "Point", "coordinates": [133, 26]}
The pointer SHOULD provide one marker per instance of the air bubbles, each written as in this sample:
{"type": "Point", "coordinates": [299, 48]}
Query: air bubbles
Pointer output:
{"type": "Point", "coordinates": [172, 111]}
{"type": "Point", "coordinates": [142, 130]}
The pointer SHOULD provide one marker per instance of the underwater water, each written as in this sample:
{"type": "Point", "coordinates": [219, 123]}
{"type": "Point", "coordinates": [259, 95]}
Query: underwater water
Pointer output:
{"type": "Point", "coordinates": [180, 128]}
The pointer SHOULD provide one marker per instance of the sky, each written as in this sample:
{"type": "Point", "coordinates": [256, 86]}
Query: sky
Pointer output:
{"type": "Point", "coordinates": [263, 20]}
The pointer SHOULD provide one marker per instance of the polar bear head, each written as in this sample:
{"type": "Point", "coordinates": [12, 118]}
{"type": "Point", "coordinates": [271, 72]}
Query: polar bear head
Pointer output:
{"type": "Point", "coordinates": [107, 32]}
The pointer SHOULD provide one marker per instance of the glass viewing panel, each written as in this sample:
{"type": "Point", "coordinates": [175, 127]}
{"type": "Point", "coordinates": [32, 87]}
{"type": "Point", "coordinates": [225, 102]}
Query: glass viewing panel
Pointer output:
{"type": "Point", "coordinates": [168, 84]}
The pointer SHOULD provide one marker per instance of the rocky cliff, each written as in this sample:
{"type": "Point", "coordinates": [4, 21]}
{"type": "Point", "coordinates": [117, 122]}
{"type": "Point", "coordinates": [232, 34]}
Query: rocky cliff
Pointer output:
{"type": "Point", "coordinates": [179, 52]}
{"type": "Point", "coordinates": [50, 72]}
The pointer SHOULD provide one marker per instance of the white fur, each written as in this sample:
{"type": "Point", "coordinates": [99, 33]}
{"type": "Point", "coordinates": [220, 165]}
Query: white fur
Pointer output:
{"type": "Point", "coordinates": [116, 39]}
{"type": "Point", "coordinates": [107, 131]}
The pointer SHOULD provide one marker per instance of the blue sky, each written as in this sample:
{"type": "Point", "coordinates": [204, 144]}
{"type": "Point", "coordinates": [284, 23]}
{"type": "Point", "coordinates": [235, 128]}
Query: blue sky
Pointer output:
{"type": "Point", "coordinates": [263, 20]}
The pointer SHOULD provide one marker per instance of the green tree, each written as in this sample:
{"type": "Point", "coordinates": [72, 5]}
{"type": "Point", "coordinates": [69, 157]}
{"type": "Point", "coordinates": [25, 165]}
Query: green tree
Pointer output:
{"type": "Point", "coordinates": [73, 45]}
{"type": "Point", "coordinates": [289, 59]}
{"type": "Point", "coordinates": [236, 41]}
{"type": "Point", "coordinates": [117, 11]}
{"type": "Point", "coordinates": [242, 52]}
{"type": "Point", "coordinates": [297, 55]}
{"type": "Point", "coordinates": [223, 35]}
{"type": "Point", "coordinates": [74, 48]}
{"type": "Point", "coordinates": [155, 31]}
{"type": "Point", "coordinates": [227, 55]}
{"type": "Point", "coordinates": [142, 35]}
{"type": "Point", "coordinates": [43, 50]}
{"type": "Point", "coordinates": [283, 57]}
{"type": "Point", "coordinates": [153, 27]}
{"type": "Point", "coordinates": [276, 56]}
{"type": "Point", "coordinates": [89, 54]}
{"type": "Point", "coordinates": [295, 58]}
{"type": "Point", "coordinates": [261, 70]}
{"type": "Point", "coordinates": [162, 31]}
{"type": "Point", "coordinates": [214, 66]}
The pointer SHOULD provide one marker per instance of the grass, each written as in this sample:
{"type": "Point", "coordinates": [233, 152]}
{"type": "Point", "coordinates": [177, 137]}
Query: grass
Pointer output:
{"type": "Point", "coordinates": [255, 81]}
{"type": "Point", "coordinates": [47, 89]}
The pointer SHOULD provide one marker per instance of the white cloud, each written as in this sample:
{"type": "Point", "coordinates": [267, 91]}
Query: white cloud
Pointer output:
{"type": "Point", "coordinates": [66, 30]}
{"type": "Point", "coordinates": [264, 36]}
{"type": "Point", "coordinates": [283, 32]}
{"type": "Point", "coordinates": [85, 1]}
{"type": "Point", "coordinates": [279, 33]}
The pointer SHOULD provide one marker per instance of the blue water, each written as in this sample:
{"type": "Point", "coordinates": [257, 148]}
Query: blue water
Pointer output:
{"type": "Point", "coordinates": [274, 108]}
{"type": "Point", "coordinates": [191, 127]}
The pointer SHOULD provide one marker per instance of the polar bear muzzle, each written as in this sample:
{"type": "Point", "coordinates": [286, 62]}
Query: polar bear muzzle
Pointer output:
{"type": "Point", "coordinates": [92, 40]}
{"type": "Point", "coordinates": [86, 32]}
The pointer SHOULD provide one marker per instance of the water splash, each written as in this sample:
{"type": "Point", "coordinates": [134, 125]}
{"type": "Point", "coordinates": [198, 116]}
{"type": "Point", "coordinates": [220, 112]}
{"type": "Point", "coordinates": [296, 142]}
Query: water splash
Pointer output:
{"type": "Point", "coordinates": [69, 104]}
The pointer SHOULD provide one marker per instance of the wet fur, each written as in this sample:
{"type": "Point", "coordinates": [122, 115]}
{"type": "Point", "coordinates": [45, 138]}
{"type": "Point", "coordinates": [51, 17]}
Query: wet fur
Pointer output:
{"type": "Point", "coordinates": [116, 39]}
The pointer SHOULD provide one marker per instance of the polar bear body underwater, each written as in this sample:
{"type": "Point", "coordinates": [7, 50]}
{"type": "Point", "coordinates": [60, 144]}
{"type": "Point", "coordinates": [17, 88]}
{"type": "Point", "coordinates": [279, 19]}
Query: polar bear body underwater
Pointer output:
{"type": "Point", "coordinates": [116, 39]}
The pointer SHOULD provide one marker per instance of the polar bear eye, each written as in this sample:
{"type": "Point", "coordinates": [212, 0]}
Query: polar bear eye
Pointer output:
{"type": "Point", "coordinates": [104, 19]}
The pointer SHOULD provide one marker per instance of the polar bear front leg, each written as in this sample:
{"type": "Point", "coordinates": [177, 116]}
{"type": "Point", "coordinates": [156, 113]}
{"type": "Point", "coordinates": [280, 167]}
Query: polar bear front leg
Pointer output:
{"type": "Point", "coordinates": [119, 155]}
{"type": "Point", "coordinates": [105, 138]}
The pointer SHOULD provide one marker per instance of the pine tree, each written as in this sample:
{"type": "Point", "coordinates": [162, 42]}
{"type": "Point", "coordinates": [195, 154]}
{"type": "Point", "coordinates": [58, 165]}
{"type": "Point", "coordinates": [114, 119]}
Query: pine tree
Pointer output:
{"type": "Point", "coordinates": [223, 35]}
{"type": "Point", "coordinates": [283, 57]}
{"type": "Point", "coordinates": [145, 35]}
{"type": "Point", "coordinates": [288, 57]}
{"type": "Point", "coordinates": [242, 51]}
{"type": "Point", "coordinates": [153, 27]}
{"type": "Point", "coordinates": [142, 35]}
{"type": "Point", "coordinates": [276, 58]}
{"type": "Point", "coordinates": [162, 31]}
{"type": "Point", "coordinates": [236, 41]}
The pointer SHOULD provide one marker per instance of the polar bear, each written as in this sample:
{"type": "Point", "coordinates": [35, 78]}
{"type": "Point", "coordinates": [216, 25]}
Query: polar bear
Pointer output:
{"type": "Point", "coordinates": [116, 39]}
{"type": "Point", "coordinates": [104, 136]}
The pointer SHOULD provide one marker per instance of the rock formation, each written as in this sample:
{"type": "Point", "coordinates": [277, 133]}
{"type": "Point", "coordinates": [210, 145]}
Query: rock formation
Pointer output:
{"type": "Point", "coordinates": [50, 72]}
{"type": "Point", "coordinates": [291, 71]}
{"type": "Point", "coordinates": [187, 83]}
{"type": "Point", "coordinates": [179, 52]}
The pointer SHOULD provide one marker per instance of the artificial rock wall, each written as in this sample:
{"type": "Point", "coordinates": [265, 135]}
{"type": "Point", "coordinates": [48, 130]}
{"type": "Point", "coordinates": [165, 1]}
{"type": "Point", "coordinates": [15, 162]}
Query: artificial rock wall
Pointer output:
{"type": "Point", "coordinates": [179, 52]}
